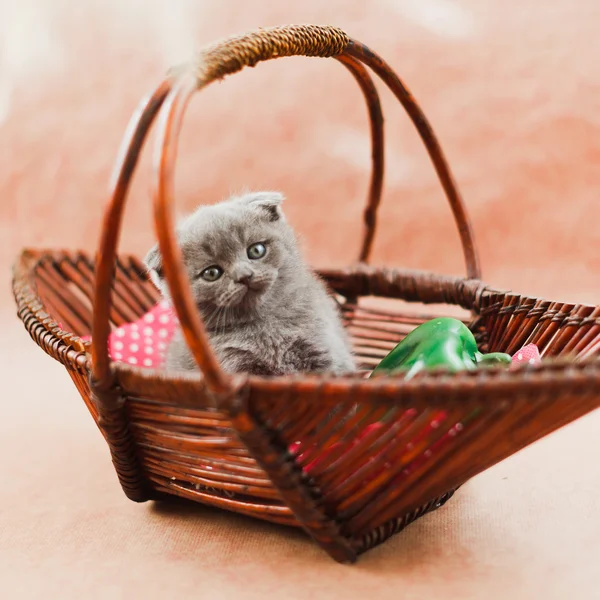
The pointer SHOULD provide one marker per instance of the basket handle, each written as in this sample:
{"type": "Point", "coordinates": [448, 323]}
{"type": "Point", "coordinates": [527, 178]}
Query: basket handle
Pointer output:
{"type": "Point", "coordinates": [214, 63]}
{"type": "Point", "coordinates": [310, 41]}
{"type": "Point", "coordinates": [436, 154]}
{"type": "Point", "coordinates": [232, 55]}
{"type": "Point", "coordinates": [106, 256]}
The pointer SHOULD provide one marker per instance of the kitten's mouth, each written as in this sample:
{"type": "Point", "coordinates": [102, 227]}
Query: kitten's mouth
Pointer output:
{"type": "Point", "coordinates": [255, 287]}
{"type": "Point", "coordinates": [248, 297]}
{"type": "Point", "coordinates": [252, 296]}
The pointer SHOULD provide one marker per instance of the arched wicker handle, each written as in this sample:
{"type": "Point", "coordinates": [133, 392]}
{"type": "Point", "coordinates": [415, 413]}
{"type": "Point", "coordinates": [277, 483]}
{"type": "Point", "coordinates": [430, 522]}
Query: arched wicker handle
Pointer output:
{"type": "Point", "coordinates": [213, 63]}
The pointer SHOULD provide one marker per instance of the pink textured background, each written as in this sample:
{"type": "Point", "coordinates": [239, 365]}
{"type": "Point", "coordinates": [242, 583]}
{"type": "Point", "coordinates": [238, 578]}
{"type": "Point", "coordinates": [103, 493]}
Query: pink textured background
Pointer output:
{"type": "Point", "coordinates": [514, 95]}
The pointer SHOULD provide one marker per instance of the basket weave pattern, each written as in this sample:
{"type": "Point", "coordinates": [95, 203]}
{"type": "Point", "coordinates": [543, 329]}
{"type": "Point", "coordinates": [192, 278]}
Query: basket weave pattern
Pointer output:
{"type": "Point", "coordinates": [350, 460]}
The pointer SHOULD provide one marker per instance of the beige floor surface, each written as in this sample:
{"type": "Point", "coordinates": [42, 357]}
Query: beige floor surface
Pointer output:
{"type": "Point", "coordinates": [514, 93]}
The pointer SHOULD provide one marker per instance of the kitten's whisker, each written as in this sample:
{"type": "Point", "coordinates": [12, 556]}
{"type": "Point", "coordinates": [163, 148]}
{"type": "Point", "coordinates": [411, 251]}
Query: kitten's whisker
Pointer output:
{"type": "Point", "coordinates": [224, 321]}
{"type": "Point", "coordinates": [218, 314]}
{"type": "Point", "coordinates": [212, 322]}
{"type": "Point", "coordinates": [208, 319]}
{"type": "Point", "coordinates": [218, 323]}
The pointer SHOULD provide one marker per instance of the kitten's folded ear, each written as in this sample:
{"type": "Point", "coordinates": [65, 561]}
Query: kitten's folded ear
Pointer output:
{"type": "Point", "coordinates": [269, 202]}
{"type": "Point", "coordinates": [153, 262]}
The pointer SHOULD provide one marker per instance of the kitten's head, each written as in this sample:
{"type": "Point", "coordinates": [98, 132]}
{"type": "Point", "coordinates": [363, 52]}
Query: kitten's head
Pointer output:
{"type": "Point", "coordinates": [234, 251]}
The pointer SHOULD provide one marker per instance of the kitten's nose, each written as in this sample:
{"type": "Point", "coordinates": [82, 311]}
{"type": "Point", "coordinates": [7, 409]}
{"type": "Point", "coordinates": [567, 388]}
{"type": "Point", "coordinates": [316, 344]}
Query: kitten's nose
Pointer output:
{"type": "Point", "coordinates": [244, 278]}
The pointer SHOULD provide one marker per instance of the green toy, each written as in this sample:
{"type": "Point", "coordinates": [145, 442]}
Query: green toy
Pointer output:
{"type": "Point", "coordinates": [440, 343]}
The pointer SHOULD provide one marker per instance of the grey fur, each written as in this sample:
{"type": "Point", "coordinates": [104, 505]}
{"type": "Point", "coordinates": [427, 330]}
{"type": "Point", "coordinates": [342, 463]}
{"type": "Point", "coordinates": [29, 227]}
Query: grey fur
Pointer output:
{"type": "Point", "coordinates": [283, 320]}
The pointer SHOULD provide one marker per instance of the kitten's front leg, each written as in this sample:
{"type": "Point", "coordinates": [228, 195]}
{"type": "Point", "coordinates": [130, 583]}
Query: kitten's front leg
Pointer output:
{"type": "Point", "coordinates": [238, 360]}
{"type": "Point", "coordinates": [304, 356]}
{"type": "Point", "coordinates": [233, 360]}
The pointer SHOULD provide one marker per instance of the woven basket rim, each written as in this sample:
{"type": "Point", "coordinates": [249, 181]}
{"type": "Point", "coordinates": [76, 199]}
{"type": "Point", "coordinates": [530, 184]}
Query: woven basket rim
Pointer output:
{"type": "Point", "coordinates": [47, 333]}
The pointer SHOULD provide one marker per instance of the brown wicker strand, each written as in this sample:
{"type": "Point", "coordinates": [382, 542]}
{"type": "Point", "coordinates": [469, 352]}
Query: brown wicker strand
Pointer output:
{"type": "Point", "coordinates": [111, 227]}
{"type": "Point", "coordinates": [289, 481]}
{"type": "Point", "coordinates": [114, 424]}
{"type": "Point", "coordinates": [233, 54]}
{"type": "Point", "coordinates": [375, 62]}
{"type": "Point", "coordinates": [377, 151]}
{"type": "Point", "coordinates": [175, 273]}
{"type": "Point", "coordinates": [416, 286]}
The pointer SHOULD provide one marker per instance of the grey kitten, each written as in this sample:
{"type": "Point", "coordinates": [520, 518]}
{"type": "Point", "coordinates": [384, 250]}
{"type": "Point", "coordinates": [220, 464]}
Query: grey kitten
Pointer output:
{"type": "Point", "coordinates": [265, 311]}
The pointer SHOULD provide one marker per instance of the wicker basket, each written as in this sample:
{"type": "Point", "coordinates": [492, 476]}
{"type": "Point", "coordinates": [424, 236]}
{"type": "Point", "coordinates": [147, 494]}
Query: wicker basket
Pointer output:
{"type": "Point", "coordinates": [245, 443]}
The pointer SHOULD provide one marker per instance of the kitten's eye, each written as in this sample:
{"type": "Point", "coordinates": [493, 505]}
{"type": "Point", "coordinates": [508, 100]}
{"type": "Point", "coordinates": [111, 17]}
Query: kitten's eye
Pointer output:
{"type": "Point", "coordinates": [256, 251]}
{"type": "Point", "coordinates": [211, 273]}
